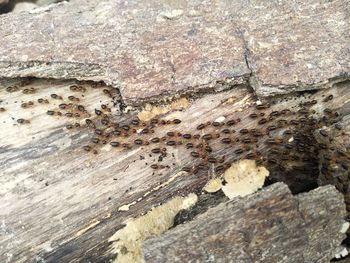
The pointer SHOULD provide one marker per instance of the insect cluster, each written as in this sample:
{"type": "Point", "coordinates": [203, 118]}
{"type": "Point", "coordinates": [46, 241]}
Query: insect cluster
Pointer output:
{"type": "Point", "coordinates": [283, 139]}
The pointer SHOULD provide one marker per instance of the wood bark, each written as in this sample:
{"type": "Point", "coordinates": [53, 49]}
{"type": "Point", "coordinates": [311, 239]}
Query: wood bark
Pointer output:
{"type": "Point", "coordinates": [269, 226]}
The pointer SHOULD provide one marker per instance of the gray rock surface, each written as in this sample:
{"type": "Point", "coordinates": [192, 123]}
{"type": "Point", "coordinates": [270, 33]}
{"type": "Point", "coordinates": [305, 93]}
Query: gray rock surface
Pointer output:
{"type": "Point", "coordinates": [269, 226]}
{"type": "Point", "coordinates": [148, 48]}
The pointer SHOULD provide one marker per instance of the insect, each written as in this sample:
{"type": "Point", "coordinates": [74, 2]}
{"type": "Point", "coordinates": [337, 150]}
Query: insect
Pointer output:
{"type": "Point", "coordinates": [230, 122]}
{"type": "Point", "coordinates": [12, 89]}
{"type": "Point", "coordinates": [125, 127]}
{"type": "Point", "coordinates": [207, 137]}
{"type": "Point", "coordinates": [98, 112]}
{"type": "Point", "coordinates": [208, 149]}
{"type": "Point", "coordinates": [244, 131]}
{"type": "Point", "coordinates": [72, 98]}
{"type": "Point", "coordinates": [200, 126]}
{"type": "Point", "coordinates": [187, 136]}
{"type": "Point", "coordinates": [262, 121]}
{"type": "Point", "coordinates": [189, 145]}
{"type": "Point", "coordinates": [62, 106]}
{"type": "Point", "coordinates": [238, 151]}
{"type": "Point", "coordinates": [55, 96]}
{"type": "Point", "coordinates": [95, 140]}
{"type": "Point", "coordinates": [114, 144]}
{"type": "Point", "coordinates": [247, 140]}
{"type": "Point", "coordinates": [176, 121]}
{"type": "Point", "coordinates": [22, 121]}
{"type": "Point", "coordinates": [155, 140]}
{"type": "Point", "coordinates": [154, 166]}
{"type": "Point", "coordinates": [195, 154]}
{"type": "Point", "coordinates": [170, 134]}
{"type": "Point", "coordinates": [171, 143]}
{"type": "Point", "coordinates": [212, 160]}
{"type": "Point", "coordinates": [87, 148]}
{"type": "Point", "coordinates": [138, 141]}
{"type": "Point", "coordinates": [156, 150]}
{"type": "Point", "coordinates": [226, 140]}
{"type": "Point", "coordinates": [29, 91]}
{"type": "Point", "coordinates": [98, 131]}
{"type": "Point", "coordinates": [328, 98]}
{"type": "Point", "coordinates": [253, 115]}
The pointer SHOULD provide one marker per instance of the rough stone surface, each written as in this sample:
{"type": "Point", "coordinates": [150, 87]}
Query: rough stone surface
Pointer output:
{"type": "Point", "coordinates": [269, 226]}
{"type": "Point", "coordinates": [148, 48]}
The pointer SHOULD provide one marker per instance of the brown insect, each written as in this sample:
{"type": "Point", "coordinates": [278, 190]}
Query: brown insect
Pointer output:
{"type": "Point", "coordinates": [22, 121]}
{"type": "Point", "coordinates": [207, 137]}
{"type": "Point", "coordinates": [238, 151]}
{"type": "Point", "coordinates": [187, 136]}
{"type": "Point", "coordinates": [244, 131]}
{"type": "Point", "coordinates": [98, 131]}
{"type": "Point", "coordinates": [12, 89]}
{"type": "Point", "coordinates": [55, 96]}
{"type": "Point", "coordinates": [154, 166]}
{"type": "Point", "coordinates": [170, 134]}
{"type": "Point", "coordinates": [189, 145]}
{"type": "Point", "coordinates": [253, 115]}
{"type": "Point", "coordinates": [138, 141]}
{"type": "Point", "coordinates": [98, 112]}
{"type": "Point", "coordinates": [156, 150]}
{"type": "Point", "coordinates": [155, 140]}
{"type": "Point", "coordinates": [87, 148]}
{"type": "Point", "coordinates": [195, 154]}
{"type": "Point", "coordinates": [176, 121]}
{"type": "Point", "coordinates": [226, 140]}
{"type": "Point", "coordinates": [208, 149]}
{"type": "Point", "coordinates": [328, 98]}
{"type": "Point", "coordinates": [231, 122]}
{"type": "Point", "coordinates": [262, 121]}
{"type": "Point", "coordinates": [125, 127]}
{"type": "Point", "coordinates": [29, 91]}
{"type": "Point", "coordinates": [200, 126]}
{"type": "Point", "coordinates": [81, 108]}
{"type": "Point", "coordinates": [171, 143]}
{"type": "Point", "coordinates": [114, 144]}
{"type": "Point", "coordinates": [246, 140]}
{"type": "Point", "coordinates": [212, 160]}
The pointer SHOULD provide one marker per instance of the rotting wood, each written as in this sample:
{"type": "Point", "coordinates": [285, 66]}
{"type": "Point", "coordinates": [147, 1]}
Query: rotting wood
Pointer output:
{"type": "Point", "coordinates": [59, 203]}
{"type": "Point", "coordinates": [271, 225]}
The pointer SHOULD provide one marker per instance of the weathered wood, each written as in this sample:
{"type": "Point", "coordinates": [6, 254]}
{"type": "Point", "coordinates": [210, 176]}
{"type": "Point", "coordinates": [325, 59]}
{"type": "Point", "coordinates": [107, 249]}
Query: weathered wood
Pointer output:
{"type": "Point", "coordinates": [61, 204]}
{"type": "Point", "coordinates": [150, 49]}
{"type": "Point", "coordinates": [269, 226]}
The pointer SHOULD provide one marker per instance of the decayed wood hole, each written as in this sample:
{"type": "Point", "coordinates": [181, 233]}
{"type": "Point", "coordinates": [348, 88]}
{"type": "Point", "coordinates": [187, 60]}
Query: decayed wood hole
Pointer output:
{"type": "Point", "coordinates": [72, 141]}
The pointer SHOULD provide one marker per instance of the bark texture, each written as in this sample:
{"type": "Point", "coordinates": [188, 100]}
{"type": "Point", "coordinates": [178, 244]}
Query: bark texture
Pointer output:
{"type": "Point", "coordinates": [269, 226]}
{"type": "Point", "coordinates": [149, 49]}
